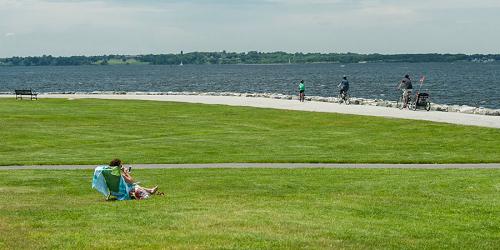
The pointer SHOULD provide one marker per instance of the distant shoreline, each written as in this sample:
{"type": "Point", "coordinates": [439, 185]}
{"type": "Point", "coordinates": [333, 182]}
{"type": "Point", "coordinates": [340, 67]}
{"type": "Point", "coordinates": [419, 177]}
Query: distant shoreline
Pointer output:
{"type": "Point", "coordinates": [236, 64]}
{"type": "Point", "coordinates": [236, 58]}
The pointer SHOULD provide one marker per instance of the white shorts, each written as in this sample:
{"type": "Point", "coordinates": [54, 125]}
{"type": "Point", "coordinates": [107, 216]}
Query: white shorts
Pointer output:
{"type": "Point", "coordinates": [407, 91]}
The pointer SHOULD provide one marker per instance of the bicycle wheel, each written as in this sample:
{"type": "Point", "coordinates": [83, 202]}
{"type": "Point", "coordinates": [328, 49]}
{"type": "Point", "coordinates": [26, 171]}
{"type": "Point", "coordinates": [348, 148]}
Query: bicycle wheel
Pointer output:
{"type": "Point", "coordinates": [347, 99]}
{"type": "Point", "coordinates": [413, 106]}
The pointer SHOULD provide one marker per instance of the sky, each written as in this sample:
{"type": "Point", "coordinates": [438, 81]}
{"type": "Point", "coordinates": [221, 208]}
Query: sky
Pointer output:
{"type": "Point", "coordinates": [97, 27]}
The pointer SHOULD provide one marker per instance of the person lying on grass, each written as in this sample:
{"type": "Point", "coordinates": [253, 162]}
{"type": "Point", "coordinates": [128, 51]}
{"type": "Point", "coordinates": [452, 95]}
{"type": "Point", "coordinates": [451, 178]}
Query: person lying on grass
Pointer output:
{"type": "Point", "coordinates": [136, 191]}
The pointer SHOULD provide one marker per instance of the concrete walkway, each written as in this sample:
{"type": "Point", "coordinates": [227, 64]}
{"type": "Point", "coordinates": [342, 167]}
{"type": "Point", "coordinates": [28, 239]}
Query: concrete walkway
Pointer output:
{"type": "Point", "coordinates": [435, 116]}
{"type": "Point", "coordinates": [271, 165]}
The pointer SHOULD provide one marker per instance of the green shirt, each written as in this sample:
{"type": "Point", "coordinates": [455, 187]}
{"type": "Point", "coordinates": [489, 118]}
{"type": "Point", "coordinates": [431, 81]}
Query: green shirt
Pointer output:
{"type": "Point", "coordinates": [302, 87]}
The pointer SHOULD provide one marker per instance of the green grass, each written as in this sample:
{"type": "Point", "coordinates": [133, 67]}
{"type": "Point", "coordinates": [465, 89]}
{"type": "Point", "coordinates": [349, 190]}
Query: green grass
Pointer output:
{"type": "Point", "coordinates": [256, 209]}
{"type": "Point", "coordinates": [59, 131]}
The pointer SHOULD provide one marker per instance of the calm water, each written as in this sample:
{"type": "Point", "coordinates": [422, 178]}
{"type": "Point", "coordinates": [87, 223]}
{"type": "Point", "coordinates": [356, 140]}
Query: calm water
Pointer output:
{"type": "Point", "coordinates": [472, 84]}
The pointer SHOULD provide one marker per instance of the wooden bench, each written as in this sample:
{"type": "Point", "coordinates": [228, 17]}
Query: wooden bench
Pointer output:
{"type": "Point", "coordinates": [21, 92]}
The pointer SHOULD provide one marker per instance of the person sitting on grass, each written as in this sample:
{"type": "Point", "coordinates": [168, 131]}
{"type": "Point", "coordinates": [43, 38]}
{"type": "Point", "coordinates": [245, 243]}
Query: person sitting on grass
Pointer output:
{"type": "Point", "coordinates": [137, 191]}
{"type": "Point", "coordinates": [115, 180]}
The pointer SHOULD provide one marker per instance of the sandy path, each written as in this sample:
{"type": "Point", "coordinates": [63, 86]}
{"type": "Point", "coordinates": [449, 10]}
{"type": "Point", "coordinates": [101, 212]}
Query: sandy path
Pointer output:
{"type": "Point", "coordinates": [436, 116]}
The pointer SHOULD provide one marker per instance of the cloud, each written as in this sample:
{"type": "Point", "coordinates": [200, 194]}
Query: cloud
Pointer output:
{"type": "Point", "coordinates": [9, 34]}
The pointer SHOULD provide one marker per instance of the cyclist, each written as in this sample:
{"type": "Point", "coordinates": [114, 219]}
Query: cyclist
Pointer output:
{"type": "Point", "coordinates": [406, 87]}
{"type": "Point", "coordinates": [344, 87]}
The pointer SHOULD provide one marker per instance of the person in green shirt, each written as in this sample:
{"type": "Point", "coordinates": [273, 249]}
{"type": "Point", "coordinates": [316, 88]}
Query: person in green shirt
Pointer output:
{"type": "Point", "coordinates": [302, 89]}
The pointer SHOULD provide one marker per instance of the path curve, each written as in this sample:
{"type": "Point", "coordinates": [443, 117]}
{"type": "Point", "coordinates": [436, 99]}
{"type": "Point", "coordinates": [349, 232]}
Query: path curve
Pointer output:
{"type": "Point", "coordinates": [259, 102]}
{"type": "Point", "coordinates": [270, 165]}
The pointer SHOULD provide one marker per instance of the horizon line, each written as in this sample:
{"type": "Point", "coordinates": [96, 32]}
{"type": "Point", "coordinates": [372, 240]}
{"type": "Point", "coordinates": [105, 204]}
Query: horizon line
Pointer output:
{"type": "Point", "coordinates": [264, 52]}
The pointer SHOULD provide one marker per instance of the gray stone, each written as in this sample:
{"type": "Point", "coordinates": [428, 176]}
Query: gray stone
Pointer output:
{"type": "Point", "coordinates": [494, 112]}
{"type": "Point", "coordinates": [467, 109]}
{"type": "Point", "coordinates": [454, 108]}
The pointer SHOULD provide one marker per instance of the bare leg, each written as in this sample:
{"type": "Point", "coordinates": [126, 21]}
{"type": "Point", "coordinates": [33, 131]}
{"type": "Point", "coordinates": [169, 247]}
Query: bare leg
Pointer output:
{"type": "Point", "coordinates": [151, 190]}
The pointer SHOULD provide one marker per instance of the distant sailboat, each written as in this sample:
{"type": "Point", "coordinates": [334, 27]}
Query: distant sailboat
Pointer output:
{"type": "Point", "coordinates": [182, 53]}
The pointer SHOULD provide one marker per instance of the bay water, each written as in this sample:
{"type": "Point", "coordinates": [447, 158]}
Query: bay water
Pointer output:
{"type": "Point", "coordinates": [461, 83]}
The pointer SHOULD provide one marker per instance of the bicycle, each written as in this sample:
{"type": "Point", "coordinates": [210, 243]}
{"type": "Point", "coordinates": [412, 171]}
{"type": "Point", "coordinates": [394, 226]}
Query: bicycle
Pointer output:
{"type": "Point", "coordinates": [405, 101]}
{"type": "Point", "coordinates": [344, 97]}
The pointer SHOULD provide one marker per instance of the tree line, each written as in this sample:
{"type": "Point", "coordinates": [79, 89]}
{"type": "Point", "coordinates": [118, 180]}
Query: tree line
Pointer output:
{"type": "Point", "coordinates": [251, 57]}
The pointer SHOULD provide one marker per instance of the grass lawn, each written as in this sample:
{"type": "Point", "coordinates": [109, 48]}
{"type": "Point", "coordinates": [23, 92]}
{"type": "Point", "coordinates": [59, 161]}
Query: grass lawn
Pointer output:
{"type": "Point", "coordinates": [60, 131]}
{"type": "Point", "coordinates": [256, 209]}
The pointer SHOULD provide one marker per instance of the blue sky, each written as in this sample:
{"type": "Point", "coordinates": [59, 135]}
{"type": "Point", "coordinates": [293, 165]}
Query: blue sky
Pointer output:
{"type": "Point", "coordinates": [94, 27]}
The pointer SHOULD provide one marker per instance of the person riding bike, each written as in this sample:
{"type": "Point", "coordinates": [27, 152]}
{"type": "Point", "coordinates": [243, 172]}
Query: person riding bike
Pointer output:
{"type": "Point", "coordinates": [344, 87]}
{"type": "Point", "coordinates": [406, 86]}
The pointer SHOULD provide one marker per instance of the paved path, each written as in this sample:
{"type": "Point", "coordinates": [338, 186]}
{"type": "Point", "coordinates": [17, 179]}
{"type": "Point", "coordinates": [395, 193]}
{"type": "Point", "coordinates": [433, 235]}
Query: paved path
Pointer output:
{"type": "Point", "coordinates": [436, 116]}
{"type": "Point", "coordinates": [271, 165]}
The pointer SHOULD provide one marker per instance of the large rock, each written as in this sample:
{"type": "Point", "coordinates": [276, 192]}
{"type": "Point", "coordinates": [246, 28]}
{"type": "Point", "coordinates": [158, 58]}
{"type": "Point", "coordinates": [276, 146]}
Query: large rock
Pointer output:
{"type": "Point", "coordinates": [494, 112]}
{"type": "Point", "coordinates": [480, 111]}
{"type": "Point", "coordinates": [454, 108]}
{"type": "Point", "coordinates": [467, 109]}
{"type": "Point", "coordinates": [439, 107]}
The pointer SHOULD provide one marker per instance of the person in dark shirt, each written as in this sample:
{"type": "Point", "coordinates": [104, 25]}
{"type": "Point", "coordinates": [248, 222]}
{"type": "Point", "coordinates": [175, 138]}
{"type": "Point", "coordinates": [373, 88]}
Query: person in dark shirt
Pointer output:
{"type": "Point", "coordinates": [343, 88]}
{"type": "Point", "coordinates": [406, 86]}
{"type": "Point", "coordinates": [343, 85]}
{"type": "Point", "coordinates": [406, 83]}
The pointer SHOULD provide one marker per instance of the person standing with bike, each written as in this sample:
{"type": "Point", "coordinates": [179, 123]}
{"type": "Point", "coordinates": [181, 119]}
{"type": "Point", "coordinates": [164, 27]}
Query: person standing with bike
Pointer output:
{"type": "Point", "coordinates": [344, 87]}
{"type": "Point", "coordinates": [406, 86]}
